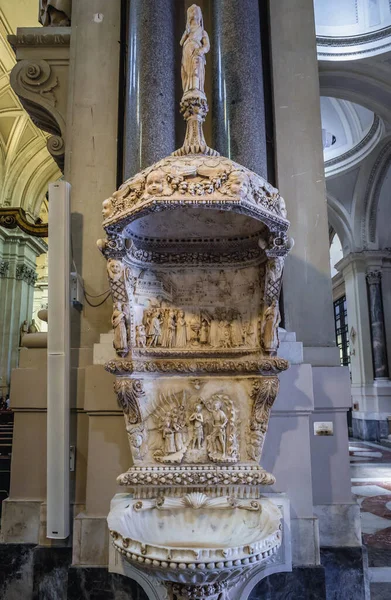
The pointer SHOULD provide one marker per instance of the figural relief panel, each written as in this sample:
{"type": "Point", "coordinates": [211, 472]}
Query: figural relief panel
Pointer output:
{"type": "Point", "coordinates": [207, 309]}
{"type": "Point", "coordinates": [182, 421]}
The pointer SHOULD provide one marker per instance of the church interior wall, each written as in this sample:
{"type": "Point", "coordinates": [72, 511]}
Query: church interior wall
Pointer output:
{"type": "Point", "coordinates": [312, 471]}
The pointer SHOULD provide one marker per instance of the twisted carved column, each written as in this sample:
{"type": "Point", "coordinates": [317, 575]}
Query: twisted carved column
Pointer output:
{"type": "Point", "coordinates": [379, 348]}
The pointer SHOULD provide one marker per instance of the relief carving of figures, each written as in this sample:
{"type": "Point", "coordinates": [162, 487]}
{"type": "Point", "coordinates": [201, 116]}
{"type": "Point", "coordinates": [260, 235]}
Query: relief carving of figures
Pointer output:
{"type": "Point", "coordinates": [181, 333]}
{"type": "Point", "coordinates": [55, 13]}
{"type": "Point", "coordinates": [197, 419]}
{"type": "Point", "coordinates": [141, 336]}
{"type": "Point", "coordinates": [170, 417]}
{"type": "Point", "coordinates": [170, 328]}
{"type": "Point", "coordinates": [118, 321]}
{"type": "Point", "coordinates": [222, 442]}
{"type": "Point", "coordinates": [269, 332]}
{"type": "Point", "coordinates": [195, 42]}
{"type": "Point", "coordinates": [155, 329]}
{"type": "Point", "coordinates": [129, 393]}
{"type": "Point", "coordinates": [263, 395]}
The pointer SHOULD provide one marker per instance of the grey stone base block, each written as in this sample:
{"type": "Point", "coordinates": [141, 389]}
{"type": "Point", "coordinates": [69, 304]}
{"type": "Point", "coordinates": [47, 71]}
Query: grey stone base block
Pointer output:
{"type": "Point", "coordinates": [344, 569]}
{"type": "Point", "coordinates": [339, 525]}
{"type": "Point", "coordinates": [369, 429]}
{"type": "Point", "coordinates": [303, 583]}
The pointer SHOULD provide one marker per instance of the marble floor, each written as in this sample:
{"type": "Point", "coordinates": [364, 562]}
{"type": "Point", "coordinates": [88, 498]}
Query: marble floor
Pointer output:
{"type": "Point", "coordinates": [371, 485]}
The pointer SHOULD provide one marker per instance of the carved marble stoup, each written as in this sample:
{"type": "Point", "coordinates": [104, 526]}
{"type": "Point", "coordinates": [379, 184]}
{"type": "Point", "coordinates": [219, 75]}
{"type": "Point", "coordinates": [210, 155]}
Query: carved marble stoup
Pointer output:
{"type": "Point", "coordinates": [181, 421]}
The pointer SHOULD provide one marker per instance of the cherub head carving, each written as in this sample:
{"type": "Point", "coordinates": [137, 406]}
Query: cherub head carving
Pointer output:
{"type": "Point", "coordinates": [238, 184]}
{"type": "Point", "coordinates": [114, 269]}
{"type": "Point", "coordinates": [107, 208]}
{"type": "Point", "coordinates": [155, 182]}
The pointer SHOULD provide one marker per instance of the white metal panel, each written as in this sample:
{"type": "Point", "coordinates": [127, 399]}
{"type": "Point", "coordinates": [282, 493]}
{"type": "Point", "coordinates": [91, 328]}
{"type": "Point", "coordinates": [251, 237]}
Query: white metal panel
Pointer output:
{"type": "Point", "coordinates": [58, 417]}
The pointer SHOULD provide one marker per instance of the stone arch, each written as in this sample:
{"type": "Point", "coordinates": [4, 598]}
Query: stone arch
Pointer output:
{"type": "Point", "coordinates": [363, 84]}
{"type": "Point", "coordinates": [340, 220]}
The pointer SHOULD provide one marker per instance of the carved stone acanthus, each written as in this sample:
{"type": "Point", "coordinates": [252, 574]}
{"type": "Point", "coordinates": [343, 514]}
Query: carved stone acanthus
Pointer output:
{"type": "Point", "coordinates": [41, 83]}
{"type": "Point", "coordinates": [374, 277]}
{"type": "Point", "coordinates": [4, 268]}
{"type": "Point", "coordinates": [129, 393]}
{"type": "Point", "coordinates": [26, 273]}
{"type": "Point", "coordinates": [263, 395]}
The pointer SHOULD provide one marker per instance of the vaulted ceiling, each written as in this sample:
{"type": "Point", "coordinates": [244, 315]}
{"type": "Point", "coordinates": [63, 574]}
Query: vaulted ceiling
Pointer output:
{"type": "Point", "coordinates": [26, 166]}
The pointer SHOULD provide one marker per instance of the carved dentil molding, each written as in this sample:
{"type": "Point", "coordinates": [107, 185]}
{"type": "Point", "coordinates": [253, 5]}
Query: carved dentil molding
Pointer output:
{"type": "Point", "coordinates": [39, 82]}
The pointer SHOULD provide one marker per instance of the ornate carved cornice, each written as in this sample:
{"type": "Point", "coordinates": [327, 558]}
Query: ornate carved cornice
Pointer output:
{"type": "Point", "coordinates": [263, 366]}
{"type": "Point", "coordinates": [10, 218]}
{"type": "Point", "coordinates": [26, 273]}
{"type": "Point", "coordinates": [38, 39]}
{"type": "Point", "coordinates": [41, 81]}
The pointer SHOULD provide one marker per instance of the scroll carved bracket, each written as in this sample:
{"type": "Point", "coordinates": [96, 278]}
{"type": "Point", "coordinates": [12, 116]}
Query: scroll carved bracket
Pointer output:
{"type": "Point", "coordinates": [41, 84]}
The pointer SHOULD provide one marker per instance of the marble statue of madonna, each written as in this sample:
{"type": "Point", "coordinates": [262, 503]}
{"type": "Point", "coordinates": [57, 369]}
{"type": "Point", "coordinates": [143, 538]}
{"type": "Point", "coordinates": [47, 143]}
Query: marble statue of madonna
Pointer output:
{"type": "Point", "coordinates": [195, 42]}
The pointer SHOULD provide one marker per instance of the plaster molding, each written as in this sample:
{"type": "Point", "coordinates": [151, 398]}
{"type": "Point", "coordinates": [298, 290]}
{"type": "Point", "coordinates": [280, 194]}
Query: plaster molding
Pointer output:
{"type": "Point", "coordinates": [347, 160]}
{"type": "Point", "coordinates": [367, 258]}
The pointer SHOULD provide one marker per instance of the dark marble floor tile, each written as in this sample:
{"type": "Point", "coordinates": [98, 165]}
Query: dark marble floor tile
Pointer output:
{"type": "Point", "coordinates": [304, 583]}
{"type": "Point", "coordinates": [380, 591]}
{"type": "Point", "coordinates": [379, 557]}
{"type": "Point", "coordinates": [94, 583]}
{"type": "Point", "coordinates": [344, 570]}
{"type": "Point", "coordinates": [16, 571]}
{"type": "Point", "coordinates": [51, 573]}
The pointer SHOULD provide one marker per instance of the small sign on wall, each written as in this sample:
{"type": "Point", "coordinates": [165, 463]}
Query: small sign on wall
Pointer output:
{"type": "Point", "coordinates": [324, 428]}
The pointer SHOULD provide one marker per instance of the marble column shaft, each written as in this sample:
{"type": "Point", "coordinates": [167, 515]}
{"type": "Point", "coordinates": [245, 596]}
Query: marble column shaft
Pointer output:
{"type": "Point", "coordinates": [308, 306]}
{"type": "Point", "coordinates": [18, 253]}
{"type": "Point", "coordinates": [150, 98]}
{"type": "Point", "coordinates": [238, 95]}
{"type": "Point", "coordinates": [379, 349]}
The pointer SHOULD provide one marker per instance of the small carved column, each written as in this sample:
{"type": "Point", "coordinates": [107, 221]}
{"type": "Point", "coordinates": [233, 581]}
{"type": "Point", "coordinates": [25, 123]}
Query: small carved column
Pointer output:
{"type": "Point", "coordinates": [379, 348]}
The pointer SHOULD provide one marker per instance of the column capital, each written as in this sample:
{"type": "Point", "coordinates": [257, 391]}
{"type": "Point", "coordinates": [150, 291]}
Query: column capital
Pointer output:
{"type": "Point", "coordinates": [374, 277]}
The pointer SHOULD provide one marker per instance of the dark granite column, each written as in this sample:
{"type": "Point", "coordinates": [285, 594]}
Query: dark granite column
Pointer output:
{"type": "Point", "coordinates": [150, 102]}
{"type": "Point", "coordinates": [376, 316]}
{"type": "Point", "coordinates": [238, 109]}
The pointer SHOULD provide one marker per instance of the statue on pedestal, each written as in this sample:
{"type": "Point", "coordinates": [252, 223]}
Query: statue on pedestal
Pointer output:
{"type": "Point", "coordinates": [195, 42]}
{"type": "Point", "coordinates": [55, 13]}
